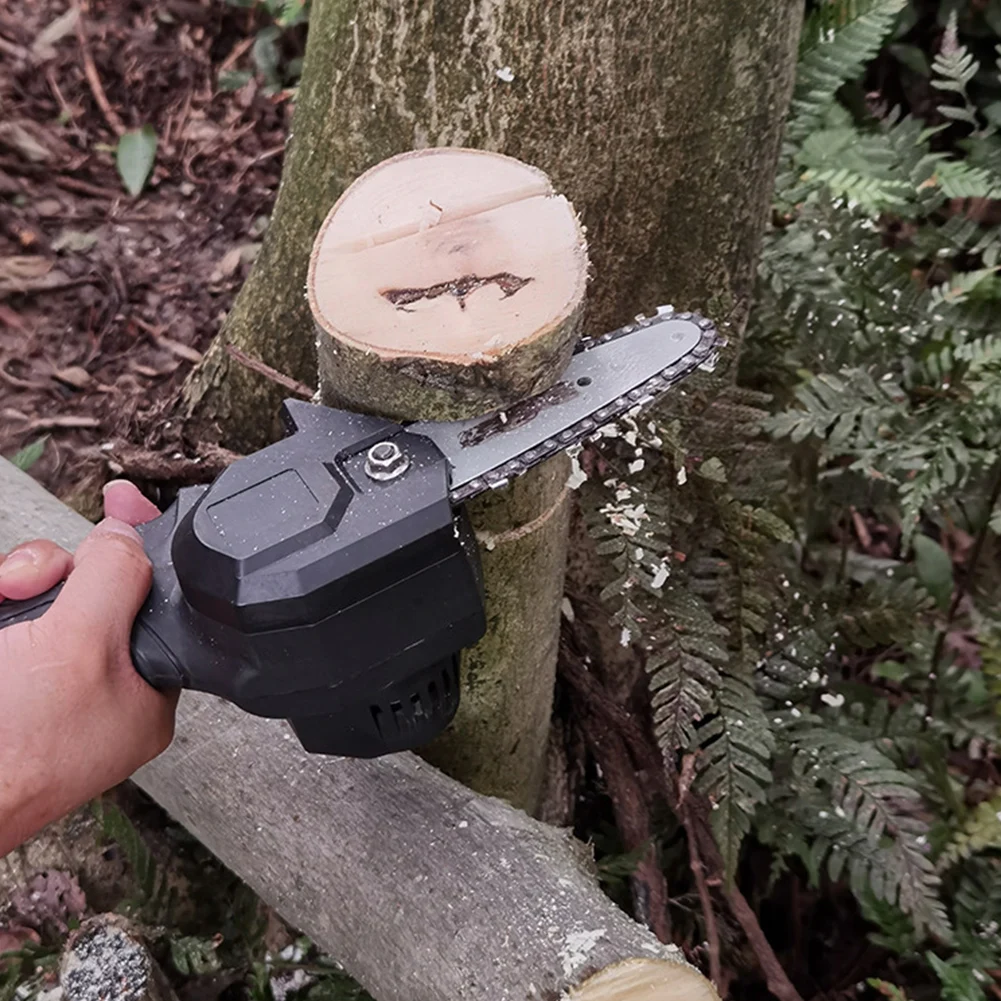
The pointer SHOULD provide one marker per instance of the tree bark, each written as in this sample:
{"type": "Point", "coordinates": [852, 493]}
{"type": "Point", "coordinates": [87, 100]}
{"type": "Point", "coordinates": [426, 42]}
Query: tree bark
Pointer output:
{"type": "Point", "coordinates": [424, 890]}
{"type": "Point", "coordinates": [659, 119]}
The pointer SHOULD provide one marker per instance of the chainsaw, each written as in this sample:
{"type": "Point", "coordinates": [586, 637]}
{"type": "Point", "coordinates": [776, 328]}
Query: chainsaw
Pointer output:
{"type": "Point", "coordinates": [333, 578]}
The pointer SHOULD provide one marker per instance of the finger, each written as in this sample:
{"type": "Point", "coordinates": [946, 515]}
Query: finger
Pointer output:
{"type": "Point", "coordinates": [107, 586]}
{"type": "Point", "coordinates": [122, 500]}
{"type": "Point", "coordinates": [32, 568]}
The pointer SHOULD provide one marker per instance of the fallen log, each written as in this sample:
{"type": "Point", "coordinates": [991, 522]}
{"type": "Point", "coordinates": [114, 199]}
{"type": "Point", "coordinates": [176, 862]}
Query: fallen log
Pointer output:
{"type": "Point", "coordinates": [421, 888]}
{"type": "Point", "coordinates": [106, 960]}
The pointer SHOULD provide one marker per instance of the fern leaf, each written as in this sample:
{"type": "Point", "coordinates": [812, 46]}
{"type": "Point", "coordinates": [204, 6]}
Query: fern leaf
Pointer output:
{"type": "Point", "coordinates": [838, 43]}
{"type": "Point", "coordinates": [733, 768]}
{"type": "Point", "coordinates": [981, 831]}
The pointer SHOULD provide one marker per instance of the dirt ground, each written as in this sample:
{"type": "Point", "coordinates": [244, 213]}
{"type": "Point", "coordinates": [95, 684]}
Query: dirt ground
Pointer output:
{"type": "Point", "coordinates": [106, 300]}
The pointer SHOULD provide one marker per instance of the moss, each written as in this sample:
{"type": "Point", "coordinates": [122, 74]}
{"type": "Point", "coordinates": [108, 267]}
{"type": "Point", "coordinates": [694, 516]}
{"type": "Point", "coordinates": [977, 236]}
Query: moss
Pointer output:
{"type": "Point", "coordinates": [497, 742]}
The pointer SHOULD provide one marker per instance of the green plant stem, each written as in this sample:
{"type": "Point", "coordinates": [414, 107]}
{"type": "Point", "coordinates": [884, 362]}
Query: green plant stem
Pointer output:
{"type": "Point", "coordinates": [961, 591]}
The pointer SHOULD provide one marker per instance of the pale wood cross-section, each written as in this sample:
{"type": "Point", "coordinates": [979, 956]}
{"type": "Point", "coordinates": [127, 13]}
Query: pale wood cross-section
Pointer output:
{"type": "Point", "coordinates": [445, 283]}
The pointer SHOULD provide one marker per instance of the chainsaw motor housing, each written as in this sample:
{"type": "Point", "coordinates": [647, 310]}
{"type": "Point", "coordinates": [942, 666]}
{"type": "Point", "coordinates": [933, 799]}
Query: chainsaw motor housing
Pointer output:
{"type": "Point", "coordinates": [306, 584]}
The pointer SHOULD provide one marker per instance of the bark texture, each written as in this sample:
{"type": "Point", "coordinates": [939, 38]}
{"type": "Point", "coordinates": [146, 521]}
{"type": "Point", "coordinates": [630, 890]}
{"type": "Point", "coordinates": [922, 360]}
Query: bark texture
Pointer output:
{"type": "Point", "coordinates": [659, 119]}
{"type": "Point", "coordinates": [424, 890]}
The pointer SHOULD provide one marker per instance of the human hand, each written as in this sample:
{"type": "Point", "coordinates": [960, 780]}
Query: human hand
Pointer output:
{"type": "Point", "coordinates": [78, 718]}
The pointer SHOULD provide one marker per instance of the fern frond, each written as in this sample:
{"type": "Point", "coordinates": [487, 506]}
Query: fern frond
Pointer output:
{"type": "Point", "coordinates": [684, 669]}
{"type": "Point", "coordinates": [980, 831]}
{"type": "Point", "coordinates": [870, 832]}
{"type": "Point", "coordinates": [841, 39]}
{"type": "Point", "coordinates": [733, 773]}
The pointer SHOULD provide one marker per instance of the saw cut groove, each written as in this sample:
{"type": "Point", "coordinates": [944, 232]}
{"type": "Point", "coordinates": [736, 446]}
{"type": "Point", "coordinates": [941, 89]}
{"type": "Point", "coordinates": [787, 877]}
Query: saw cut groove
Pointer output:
{"type": "Point", "coordinates": [460, 288]}
{"type": "Point", "coordinates": [420, 234]}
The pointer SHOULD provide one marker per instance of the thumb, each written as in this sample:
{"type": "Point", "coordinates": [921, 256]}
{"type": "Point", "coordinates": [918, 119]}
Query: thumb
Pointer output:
{"type": "Point", "coordinates": [107, 586]}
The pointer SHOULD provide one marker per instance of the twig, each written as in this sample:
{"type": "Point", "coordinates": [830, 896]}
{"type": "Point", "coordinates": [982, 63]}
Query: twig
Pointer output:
{"type": "Point", "coordinates": [645, 751]}
{"type": "Point", "coordinates": [775, 977]}
{"type": "Point", "coordinates": [238, 50]}
{"type": "Point", "coordinates": [252, 162]}
{"type": "Point", "coordinates": [699, 872]}
{"type": "Point", "coordinates": [17, 51]}
{"type": "Point", "coordinates": [94, 81]}
{"type": "Point", "coordinates": [649, 887]}
{"type": "Point", "coordinates": [185, 351]}
{"type": "Point", "coordinates": [590, 699]}
{"type": "Point", "coordinates": [67, 421]}
{"type": "Point", "coordinates": [292, 385]}
{"type": "Point", "coordinates": [53, 83]}
{"type": "Point", "coordinates": [157, 467]}
{"type": "Point", "coordinates": [83, 187]}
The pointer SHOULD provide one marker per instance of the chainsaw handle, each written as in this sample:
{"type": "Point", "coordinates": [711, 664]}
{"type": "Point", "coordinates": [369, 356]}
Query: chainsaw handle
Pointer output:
{"type": "Point", "coordinates": [12, 612]}
{"type": "Point", "coordinates": [149, 655]}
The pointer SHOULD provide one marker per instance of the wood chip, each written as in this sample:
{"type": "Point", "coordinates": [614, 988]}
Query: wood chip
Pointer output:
{"type": "Point", "coordinates": [16, 137]}
{"type": "Point", "coordinates": [152, 373]}
{"type": "Point", "coordinates": [43, 47]}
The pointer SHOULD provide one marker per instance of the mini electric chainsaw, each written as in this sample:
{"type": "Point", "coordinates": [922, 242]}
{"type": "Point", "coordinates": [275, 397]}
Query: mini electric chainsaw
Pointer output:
{"type": "Point", "coordinates": [333, 577]}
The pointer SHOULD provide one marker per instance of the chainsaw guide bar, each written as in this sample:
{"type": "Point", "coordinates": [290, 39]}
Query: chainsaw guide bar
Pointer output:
{"type": "Point", "coordinates": [606, 378]}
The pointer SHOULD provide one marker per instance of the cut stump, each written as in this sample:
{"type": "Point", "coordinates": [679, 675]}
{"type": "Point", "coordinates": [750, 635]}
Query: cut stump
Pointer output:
{"type": "Point", "coordinates": [445, 283]}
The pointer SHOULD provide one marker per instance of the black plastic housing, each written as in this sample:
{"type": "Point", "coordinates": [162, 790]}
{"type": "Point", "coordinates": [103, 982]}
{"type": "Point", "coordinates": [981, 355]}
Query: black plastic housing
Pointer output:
{"type": "Point", "coordinates": [296, 586]}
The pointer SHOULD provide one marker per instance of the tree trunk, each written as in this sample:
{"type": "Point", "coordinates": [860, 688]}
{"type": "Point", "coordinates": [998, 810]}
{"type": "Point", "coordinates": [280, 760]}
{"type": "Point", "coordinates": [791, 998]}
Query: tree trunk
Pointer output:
{"type": "Point", "coordinates": [659, 119]}
{"type": "Point", "coordinates": [422, 889]}
{"type": "Point", "coordinates": [445, 284]}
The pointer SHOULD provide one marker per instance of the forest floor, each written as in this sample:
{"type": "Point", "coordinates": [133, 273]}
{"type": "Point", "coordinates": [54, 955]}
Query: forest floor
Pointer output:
{"type": "Point", "coordinates": [107, 300]}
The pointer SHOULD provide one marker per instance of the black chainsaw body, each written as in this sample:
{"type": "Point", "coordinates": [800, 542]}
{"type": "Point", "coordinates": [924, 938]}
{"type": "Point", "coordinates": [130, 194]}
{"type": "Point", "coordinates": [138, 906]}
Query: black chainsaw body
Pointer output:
{"type": "Point", "coordinates": [296, 586]}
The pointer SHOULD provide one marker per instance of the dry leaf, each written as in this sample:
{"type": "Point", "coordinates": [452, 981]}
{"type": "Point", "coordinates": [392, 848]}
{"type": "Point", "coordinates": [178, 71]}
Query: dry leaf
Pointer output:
{"type": "Point", "coordinates": [13, 938]}
{"type": "Point", "coordinates": [75, 241]}
{"type": "Point", "coordinates": [49, 207]}
{"type": "Point", "coordinates": [75, 376]}
{"type": "Point", "coordinates": [229, 263]}
{"type": "Point", "coordinates": [200, 130]}
{"type": "Point", "coordinates": [50, 896]}
{"type": "Point", "coordinates": [19, 139]}
{"type": "Point", "coordinates": [181, 350]}
{"type": "Point", "coordinates": [43, 47]}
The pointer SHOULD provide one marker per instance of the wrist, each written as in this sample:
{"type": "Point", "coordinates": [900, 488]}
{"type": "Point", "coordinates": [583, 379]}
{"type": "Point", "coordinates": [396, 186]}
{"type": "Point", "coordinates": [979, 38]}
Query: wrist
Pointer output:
{"type": "Point", "coordinates": [23, 809]}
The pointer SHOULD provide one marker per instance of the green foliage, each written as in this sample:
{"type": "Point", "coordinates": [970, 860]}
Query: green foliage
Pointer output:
{"type": "Point", "coordinates": [821, 676]}
{"type": "Point", "coordinates": [980, 831]}
{"type": "Point", "coordinates": [267, 49]}
{"type": "Point", "coordinates": [26, 457]}
{"type": "Point", "coordinates": [134, 158]}
{"type": "Point", "coordinates": [153, 898]}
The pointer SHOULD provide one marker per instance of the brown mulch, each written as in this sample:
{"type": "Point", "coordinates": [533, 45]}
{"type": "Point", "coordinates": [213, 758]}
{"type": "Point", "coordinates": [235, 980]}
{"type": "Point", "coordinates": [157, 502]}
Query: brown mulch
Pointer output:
{"type": "Point", "coordinates": [106, 300]}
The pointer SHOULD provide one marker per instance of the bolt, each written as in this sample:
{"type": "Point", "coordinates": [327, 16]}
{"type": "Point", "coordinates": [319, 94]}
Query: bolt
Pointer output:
{"type": "Point", "coordinates": [386, 461]}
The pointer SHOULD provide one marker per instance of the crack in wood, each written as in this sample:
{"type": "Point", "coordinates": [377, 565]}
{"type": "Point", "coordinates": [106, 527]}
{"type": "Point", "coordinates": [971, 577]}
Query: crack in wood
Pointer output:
{"type": "Point", "coordinates": [517, 414]}
{"type": "Point", "coordinates": [460, 288]}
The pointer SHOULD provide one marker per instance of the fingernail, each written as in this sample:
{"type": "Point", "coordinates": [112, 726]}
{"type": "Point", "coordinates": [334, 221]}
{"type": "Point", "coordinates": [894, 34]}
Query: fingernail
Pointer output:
{"type": "Point", "coordinates": [18, 564]}
{"type": "Point", "coordinates": [112, 526]}
{"type": "Point", "coordinates": [114, 485]}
